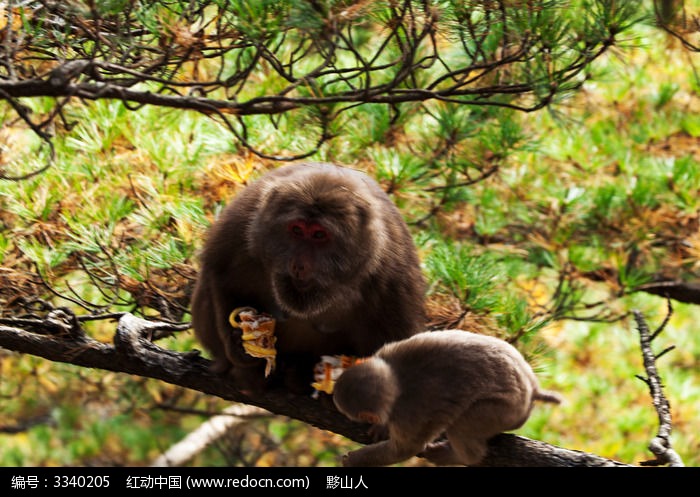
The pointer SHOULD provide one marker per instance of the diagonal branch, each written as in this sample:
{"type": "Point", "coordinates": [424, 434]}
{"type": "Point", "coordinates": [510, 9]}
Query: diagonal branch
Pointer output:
{"type": "Point", "coordinates": [134, 352]}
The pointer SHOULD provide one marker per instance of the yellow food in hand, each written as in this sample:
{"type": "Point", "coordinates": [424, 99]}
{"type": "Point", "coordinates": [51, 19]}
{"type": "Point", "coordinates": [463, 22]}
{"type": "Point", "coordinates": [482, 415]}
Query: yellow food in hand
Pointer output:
{"type": "Point", "coordinates": [327, 371]}
{"type": "Point", "coordinates": [257, 334]}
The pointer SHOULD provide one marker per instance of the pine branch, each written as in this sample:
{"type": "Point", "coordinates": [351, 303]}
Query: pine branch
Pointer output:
{"type": "Point", "coordinates": [133, 352]}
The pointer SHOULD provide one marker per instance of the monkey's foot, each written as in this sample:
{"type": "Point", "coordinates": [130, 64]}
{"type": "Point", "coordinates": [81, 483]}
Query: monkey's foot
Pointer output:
{"type": "Point", "coordinates": [440, 453]}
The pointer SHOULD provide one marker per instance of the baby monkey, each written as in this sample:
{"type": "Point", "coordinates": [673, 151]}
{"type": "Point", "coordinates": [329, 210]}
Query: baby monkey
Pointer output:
{"type": "Point", "coordinates": [466, 386]}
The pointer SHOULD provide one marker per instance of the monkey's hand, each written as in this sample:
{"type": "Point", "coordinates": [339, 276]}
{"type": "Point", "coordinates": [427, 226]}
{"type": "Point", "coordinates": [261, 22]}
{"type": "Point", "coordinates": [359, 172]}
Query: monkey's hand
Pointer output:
{"type": "Point", "coordinates": [353, 458]}
{"type": "Point", "coordinates": [378, 432]}
{"type": "Point", "coordinates": [327, 371]}
{"type": "Point", "coordinates": [382, 453]}
{"type": "Point", "coordinates": [439, 453]}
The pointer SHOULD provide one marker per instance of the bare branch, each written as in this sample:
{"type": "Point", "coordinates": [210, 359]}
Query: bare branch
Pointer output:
{"type": "Point", "coordinates": [207, 433]}
{"type": "Point", "coordinates": [660, 445]}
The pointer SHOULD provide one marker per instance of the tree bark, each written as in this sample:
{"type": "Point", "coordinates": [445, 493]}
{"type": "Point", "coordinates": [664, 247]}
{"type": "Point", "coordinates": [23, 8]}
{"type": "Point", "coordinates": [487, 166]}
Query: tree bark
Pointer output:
{"type": "Point", "coordinates": [134, 353]}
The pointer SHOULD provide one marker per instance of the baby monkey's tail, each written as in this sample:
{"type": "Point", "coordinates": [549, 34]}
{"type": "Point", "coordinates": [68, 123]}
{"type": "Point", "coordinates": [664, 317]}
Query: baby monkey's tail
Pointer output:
{"type": "Point", "coordinates": [548, 396]}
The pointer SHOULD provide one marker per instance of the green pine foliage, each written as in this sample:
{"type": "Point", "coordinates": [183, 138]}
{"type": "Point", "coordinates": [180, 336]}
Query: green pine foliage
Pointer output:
{"type": "Point", "coordinates": [538, 227]}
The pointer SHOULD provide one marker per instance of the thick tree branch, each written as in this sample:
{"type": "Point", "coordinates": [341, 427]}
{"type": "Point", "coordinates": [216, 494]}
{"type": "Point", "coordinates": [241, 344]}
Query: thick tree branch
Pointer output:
{"type": "Point", "coordinates": [682, 291]}
{"type": "Point", "coordinates": [133, 352]}
{"type": "Point", "coordinates": [508, 450]}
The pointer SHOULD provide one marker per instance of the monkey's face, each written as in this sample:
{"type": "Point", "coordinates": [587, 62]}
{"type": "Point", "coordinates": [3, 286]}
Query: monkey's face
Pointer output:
{"type": "Point", "coordinates": [313, 238]}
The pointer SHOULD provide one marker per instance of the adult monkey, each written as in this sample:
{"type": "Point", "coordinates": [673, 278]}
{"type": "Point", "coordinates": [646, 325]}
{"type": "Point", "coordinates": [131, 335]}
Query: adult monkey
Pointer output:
{"type": "Point", "coordinates": [323, 250]}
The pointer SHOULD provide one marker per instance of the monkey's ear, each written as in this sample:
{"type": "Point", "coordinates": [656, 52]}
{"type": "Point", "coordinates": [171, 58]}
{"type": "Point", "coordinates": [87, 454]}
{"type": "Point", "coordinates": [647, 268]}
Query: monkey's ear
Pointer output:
{"type": "Point", "coordinates": [369, 417]}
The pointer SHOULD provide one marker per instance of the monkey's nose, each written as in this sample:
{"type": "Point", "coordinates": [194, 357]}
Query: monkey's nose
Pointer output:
{"type": "Point", "coordinates": [300, 270]}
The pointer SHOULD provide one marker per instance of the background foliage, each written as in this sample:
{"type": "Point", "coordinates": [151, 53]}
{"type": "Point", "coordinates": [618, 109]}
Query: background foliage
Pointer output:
{"type": "Point", "coordinates": [543, 228]}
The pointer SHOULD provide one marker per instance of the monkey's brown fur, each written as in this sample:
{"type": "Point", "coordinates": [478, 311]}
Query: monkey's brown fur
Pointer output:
{"type": "Point", "coordinates": [324, 250]}
{"type": "Point", "coordinates": [468, 386]}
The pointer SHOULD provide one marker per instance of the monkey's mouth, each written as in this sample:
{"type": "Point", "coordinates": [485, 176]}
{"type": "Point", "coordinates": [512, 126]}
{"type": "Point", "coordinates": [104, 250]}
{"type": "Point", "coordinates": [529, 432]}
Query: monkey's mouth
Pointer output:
{"type": "Point", "coordinates": [300, 298]}
{"type": "Point", "coordinates": [303, 285]}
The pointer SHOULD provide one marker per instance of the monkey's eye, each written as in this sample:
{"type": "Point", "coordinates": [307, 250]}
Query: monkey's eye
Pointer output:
{"type": "Point", "coordinates": [297, 230]}
{"type": "Point", "coordinates": [319, 234]}
{"type": "Point", "coordinates": [310, 231]}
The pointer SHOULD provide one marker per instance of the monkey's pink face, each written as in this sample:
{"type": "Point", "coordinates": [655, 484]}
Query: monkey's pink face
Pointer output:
{"type": "Point", "coordinates": [309, 232]}
{"type": "Point", "coordinates": [313, 248]}
{"type": "Point", "coordinates": [311, 239]}
{"type": "Point", "coordinates": [302, 288]}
